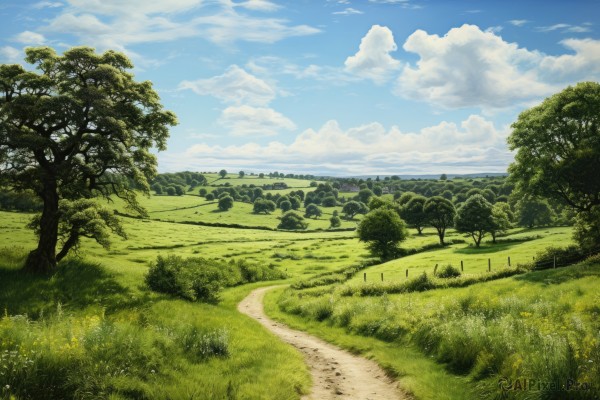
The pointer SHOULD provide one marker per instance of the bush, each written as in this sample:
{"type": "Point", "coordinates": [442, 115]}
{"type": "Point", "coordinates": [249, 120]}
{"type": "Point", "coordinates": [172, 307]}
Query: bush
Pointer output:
{"type": "Point", "coordinates": [225, 203]}
{"type": "Point", "coordinates": [335, 222]}
{"type": "Point", "coordinates": [210, 197]}
{"type": "Point", "coordinates": [199, 279]}
{"type": "Point", "coordinates": [292, 221]}
{"type": "Point", "coordinates": [448, 272]}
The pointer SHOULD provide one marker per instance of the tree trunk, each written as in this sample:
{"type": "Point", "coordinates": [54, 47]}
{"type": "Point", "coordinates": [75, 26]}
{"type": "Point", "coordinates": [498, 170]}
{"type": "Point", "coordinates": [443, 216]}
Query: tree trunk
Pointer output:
{"type": "Point", "coordinates": [43, 259]}
{"type": "Point", "coordinates": [441, 234]}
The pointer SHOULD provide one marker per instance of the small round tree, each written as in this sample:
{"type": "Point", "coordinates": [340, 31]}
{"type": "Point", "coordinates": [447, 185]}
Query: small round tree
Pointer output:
{"type": "Point", "coordinates": [222, 173]}
{"type": "Point", "coordinates": [312, 210]}
{"type": "Point", "coordinates": [413, 213]}
{"type": "Point", "coordinates": [263, 206]}
{"type": "Point", "coordinates": [383, 230]}
{"type": "Point", "coordinates": [285, 205]}
{"type": "Point", "coordinates": [352, 208]}
{"type": "Point", "coordinates": [474, 217]}
{"type": "Point", "coordinates": [225, 203]}
{"type": "Point", "coordinates": [291, 220]}
{"type": "Point", "coordinates": [440, 214]}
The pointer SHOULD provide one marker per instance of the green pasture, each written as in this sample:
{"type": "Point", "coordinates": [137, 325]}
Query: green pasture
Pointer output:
{"type": "Point", "coordinates": [521, 247]}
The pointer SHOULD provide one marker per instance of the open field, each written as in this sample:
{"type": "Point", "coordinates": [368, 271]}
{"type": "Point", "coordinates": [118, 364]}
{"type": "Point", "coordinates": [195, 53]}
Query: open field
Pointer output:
{"type": "Point", "coordinates": [104, 292]}
{"type": "Point", "coordinates": [521, 247]}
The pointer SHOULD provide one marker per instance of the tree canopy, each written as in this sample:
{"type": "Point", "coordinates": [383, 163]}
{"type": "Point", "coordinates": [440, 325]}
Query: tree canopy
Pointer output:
{"type": "Point", "coordinates": [383, 230]}
{"type": "Point", "coordinates": [440, 214]}
{"type": "Point", "coordinates": [75, 128]}
{"type": "Point", "coordinates": [474, 217]}
{"type": "Point", "coordinates": [557, 147]}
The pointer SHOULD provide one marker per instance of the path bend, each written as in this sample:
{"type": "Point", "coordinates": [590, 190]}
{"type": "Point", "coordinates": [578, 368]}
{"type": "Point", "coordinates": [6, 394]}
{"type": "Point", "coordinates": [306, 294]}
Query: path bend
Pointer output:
{"type": "Point", "coordinates": [336, 373]}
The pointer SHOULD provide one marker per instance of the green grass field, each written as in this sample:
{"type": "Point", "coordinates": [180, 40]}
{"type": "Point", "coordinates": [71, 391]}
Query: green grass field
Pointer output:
{"type": "Point", "coordinates": [98, 304]}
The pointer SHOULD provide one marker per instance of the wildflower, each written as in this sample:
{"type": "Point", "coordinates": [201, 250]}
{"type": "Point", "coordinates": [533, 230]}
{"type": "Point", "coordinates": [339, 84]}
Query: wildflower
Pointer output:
{"type": "Point", "coordinates": [7, 387]}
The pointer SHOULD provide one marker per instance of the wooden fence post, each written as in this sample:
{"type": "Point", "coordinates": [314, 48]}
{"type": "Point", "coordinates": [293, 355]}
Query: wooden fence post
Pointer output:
{"type": "Point", "coordinates": [435, 270]}
{"type": "Point", "coordinates": [554, 261]}
{"type": "Point", "coordinates": [382, 277]}
{"type": "Point", "coordinates": [509, 261]}
{"type": "Point", "coordinates": [489, 265]}
{"type": "Point", "coordinates": [365, 276]}
{"type": "Point", "coordinates": [462, 269]}
{"type": "Point", "coordinates": [407, 272]}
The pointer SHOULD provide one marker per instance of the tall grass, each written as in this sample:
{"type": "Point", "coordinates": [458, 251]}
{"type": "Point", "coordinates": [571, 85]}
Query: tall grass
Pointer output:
{"type": "Point", "coordinates": [541, 325]}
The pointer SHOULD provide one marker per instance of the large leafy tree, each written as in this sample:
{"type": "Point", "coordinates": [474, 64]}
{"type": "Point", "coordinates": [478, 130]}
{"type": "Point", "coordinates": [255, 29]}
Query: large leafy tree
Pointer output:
{"type": "Point", "coordinates": [558, 147]}
{"type": "Point", "coordinates": [440, 214]}
{"type": "Point", "coordinates": [73, 129]}
{"type": "Point", "coordinates": [474, 218]}
{"type": "Point", "coordinates": [383, 230]}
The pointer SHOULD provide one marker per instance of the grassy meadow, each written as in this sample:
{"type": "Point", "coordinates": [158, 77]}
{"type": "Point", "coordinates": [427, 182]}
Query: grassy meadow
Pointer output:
{"type": "Point", "coordinates": [95, 330]}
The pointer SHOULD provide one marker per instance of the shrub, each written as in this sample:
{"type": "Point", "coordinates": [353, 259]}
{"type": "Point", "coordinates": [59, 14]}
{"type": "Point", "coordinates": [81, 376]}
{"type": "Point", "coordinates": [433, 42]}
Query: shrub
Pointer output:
{"type": "Point", "coordinates": [449, 271]}
{"type": "Point", "coordinates": [225, 203]}
{"type": "Point", "coordinates": [210, 197]}
{"type": "Point", "coordinates": [335, 222]}
{"type": "Point", "coordinates": [292, 221]}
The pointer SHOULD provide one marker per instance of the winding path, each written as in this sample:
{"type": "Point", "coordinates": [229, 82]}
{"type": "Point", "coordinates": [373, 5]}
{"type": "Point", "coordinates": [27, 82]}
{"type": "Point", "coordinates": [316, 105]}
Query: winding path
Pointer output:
{"type": "Point", "coordinates": [336, 374]}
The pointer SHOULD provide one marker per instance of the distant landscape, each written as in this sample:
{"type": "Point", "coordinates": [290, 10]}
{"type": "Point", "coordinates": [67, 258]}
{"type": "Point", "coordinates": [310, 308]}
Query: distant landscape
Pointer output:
{"type": "Point", "coordinates": [440, 241]}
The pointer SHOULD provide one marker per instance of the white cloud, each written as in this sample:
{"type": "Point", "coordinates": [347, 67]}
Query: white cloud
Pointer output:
{"type": "Point", "coordinates": [47, 4]}
{"type": "Point", "coordinates": [567, 28]}
{"type": "Point", "coordinates": [234, 86]}
{"type": "Point", "coordinates": [373, 59]}
{"type": "Point", "coordinates": [518, 22]}
{"type": "Point", "coordinates": [469, 67]}
{"type": "Point", "coordinates": [30, 38]}
{"type": "Point", "coordinates": [473, 145]}
{"type": "Point", "coordinates": [9, 54]}
{"type": "Point", "coordinates": [258, 5]}
{"type": "Point", "coordinates": [254, 121]}
{"type": "Point", "coordinates": [348, 11]}
{"type": "Point", "coordinates": [118, 25]}
{"type": "Point", "coordinates": [271, 66]}
{"type": "Point", "coordinates": [584, 64]}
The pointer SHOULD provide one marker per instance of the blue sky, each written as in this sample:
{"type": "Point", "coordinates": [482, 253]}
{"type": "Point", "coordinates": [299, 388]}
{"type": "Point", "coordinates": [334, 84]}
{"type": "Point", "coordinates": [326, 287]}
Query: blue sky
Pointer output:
{"type": "Point", "coordinates": [335, 87]}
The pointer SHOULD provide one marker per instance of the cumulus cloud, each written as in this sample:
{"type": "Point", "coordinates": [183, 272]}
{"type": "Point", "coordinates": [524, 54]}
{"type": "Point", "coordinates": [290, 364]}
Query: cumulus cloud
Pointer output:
{"type": "Point", "coordinates": [30, 38]}
{"type": "Point", "coordinates": [9, 54]}
{"type": "Point", "coordinates": [473, 145]}
{"type": "Point", "coordinates": [234, 86]}
{"type": "Point", "coordinates": [470, 67]}
{"type": "Point", "coordinates": [373, 59]}
{"type": "Point", "coordinates": [254, 121]}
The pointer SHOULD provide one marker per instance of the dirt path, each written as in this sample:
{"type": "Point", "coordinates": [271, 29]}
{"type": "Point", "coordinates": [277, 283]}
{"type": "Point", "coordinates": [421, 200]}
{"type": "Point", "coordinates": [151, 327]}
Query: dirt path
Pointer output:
{"type": "Point", "coordinates": [336, 373]}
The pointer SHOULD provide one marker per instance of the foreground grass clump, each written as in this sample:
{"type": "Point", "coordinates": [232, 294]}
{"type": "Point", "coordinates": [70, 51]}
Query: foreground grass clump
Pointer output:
{"type": "Point", "coordinates": [199, 279]}
{"type": "Point", "coordinates": [538, 325]}
{"type": "Point", "coordinates": [94, 331]}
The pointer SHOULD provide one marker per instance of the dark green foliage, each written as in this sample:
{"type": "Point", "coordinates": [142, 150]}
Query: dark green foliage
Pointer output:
{"type": "Point", "coordinates": [225, 203]}
{"type": "Point", "coordinates": [329, 201]}
{"type": "Point", "coordinates": [587, 229]}
{"type": "Point", "coordinates": [533, 212]}
{"type": "Point", "coordinates": [313, 211]}
{"type": "Point", "coordinates": [383, 230]}
{"type": "Point", "coordinates": [222, 173]}
{"type": "Point", "coordinates": [364, 195]}
{"type": "Point", "coordinates": [440, 214]}
{"type": "Point", "coordinates": [263, 206]}
{"type": "Point", "coordinates": [414, 214]}
{"type": "Point", "coordinates": [210, 197]}
{"type": "Point", "coordinates": [448, 271]}
{"type": "Point", "coordinates": [285, 205]}
{"type": "Point", "coordinates": [158, 189]}
{"type": "Point", "coordinates": [474, 217]}
{"type": "Point", "coordinates": [352, 208]}
{"type": "Point", "coordinates": [76, 126]}
{"type": "Point", "coordinates": [199, 279]}
{"type": "Point", "coordinates": [179, 190]}
{"type": "Point", "coordinates": [292, 221]}
{"type": "Point", "coordinates": [22, 201]}
{"type": "Point", "coordinates": [335, 222]}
